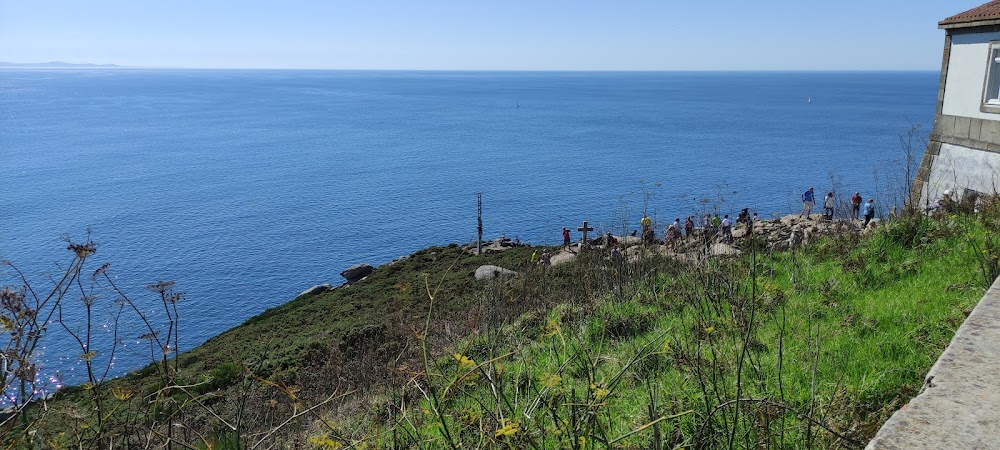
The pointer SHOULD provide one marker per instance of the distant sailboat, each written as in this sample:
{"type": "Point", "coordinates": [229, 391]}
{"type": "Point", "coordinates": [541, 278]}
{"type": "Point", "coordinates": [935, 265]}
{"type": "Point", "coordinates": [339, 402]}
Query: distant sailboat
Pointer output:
{"type": "Point", "coordinates": [809, 100]}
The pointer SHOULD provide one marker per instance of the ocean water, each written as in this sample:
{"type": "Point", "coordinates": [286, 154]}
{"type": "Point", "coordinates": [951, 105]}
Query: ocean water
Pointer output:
{"type": "Point", "coordinates": [246, 187]}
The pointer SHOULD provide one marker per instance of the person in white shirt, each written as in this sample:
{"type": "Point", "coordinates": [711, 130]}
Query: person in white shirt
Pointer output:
{"type": "Point", "coordinates": [727, 229]}
{"type": "Point", "coordinates": [828, 203]}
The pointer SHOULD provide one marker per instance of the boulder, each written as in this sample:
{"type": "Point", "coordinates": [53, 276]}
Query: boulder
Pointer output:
{"type": "Point", "coordinates": [795, 238]}
{"type": "Point", "coordinates": [628, 240]}
{"type": "Point", "coordinates": [719, 249]}
{"type": "Point", "coordinates": [317, 289]}
{"type": "Point", "coordinates": [489, 272]}
{"type": "Point", "coordinates": [356, 272]}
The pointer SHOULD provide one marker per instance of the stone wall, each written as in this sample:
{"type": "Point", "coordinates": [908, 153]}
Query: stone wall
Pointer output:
{"type": "Point", "coordinates": [958, 405]}
{"type": "Point", "coordinates": [963, 153]}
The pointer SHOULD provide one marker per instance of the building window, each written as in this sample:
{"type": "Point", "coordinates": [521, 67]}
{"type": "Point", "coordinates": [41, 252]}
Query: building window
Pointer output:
{"type": "Point", "coordinates": [991, 94]}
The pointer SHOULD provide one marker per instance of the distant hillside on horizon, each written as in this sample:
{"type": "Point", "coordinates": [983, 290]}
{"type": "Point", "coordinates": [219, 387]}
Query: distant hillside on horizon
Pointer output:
{"type": "Point", "coordinates": [53, 64]}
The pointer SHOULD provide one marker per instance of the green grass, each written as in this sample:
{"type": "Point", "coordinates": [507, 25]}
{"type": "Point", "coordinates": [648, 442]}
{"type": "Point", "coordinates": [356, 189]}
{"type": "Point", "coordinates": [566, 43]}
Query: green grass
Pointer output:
{"type": "Point", "coordinates": [342, 339]}
{"type": "Point", "coordinates": [853, 324]}
{"type": "Point", "coordinates": [819, 347]}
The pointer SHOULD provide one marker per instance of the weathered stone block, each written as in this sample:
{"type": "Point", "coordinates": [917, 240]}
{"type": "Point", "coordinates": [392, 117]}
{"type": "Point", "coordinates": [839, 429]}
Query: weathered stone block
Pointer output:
{"type": "Point", "coordinates": [975, 127]}
{"type": "Point", "coordinates": [934, 148]}
{"type": "Point", "coordinates": [990, 131]}
{"type": "Point", "coordinates": [946, 125]}
{"type": "Point", "coordinates": [924, 172]}
{"type": "Point", "coordinates": [916, 191]}
{"type": "Point", "coordinates": [962, 125]}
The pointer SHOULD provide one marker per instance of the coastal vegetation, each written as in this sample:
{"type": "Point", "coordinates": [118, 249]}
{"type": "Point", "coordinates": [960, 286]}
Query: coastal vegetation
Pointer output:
{"type": "Point", "coordinates": [808, 347]}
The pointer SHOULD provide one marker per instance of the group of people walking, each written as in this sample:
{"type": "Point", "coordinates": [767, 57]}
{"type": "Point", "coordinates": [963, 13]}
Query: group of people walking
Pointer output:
{"type": "Point", "coordinates": [713, 225]}
{"type": "Point", "coordinates": [830, 204]}
{"type": "Point", "coordinates": [710, 225]}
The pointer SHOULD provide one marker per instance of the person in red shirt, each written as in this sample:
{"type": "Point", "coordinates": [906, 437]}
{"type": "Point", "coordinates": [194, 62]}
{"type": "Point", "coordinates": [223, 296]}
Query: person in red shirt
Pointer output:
{"type": "Point", "coordinates": [855, 205]}
{"type": "Point", "coordinates": [566, 238]}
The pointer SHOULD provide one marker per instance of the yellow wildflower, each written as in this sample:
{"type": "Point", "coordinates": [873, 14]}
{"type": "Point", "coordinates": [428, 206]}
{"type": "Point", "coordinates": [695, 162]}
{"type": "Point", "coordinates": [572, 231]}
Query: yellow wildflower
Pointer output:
{"type": "Point", "coordinates": [463, 361]}
{"type": "Point", "coordinates": [510, 428]}
{"type": "Point", "coordinates": [599, 391]}
{"type": "Point", "coordinates": [551, 328]}
{"type": "Point", "coordinates": [469, 416]}
{"type": "Point", "coordinates": [326, 442]}
{"type": "Point", "coordinates": [550, 380]}
{"type": "Point", "coordinates": [121, 394]}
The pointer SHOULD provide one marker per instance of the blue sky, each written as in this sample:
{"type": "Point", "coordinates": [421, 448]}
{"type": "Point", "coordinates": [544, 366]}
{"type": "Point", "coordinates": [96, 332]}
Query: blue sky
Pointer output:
{"type": "Point", "coordinates": [480, 35]}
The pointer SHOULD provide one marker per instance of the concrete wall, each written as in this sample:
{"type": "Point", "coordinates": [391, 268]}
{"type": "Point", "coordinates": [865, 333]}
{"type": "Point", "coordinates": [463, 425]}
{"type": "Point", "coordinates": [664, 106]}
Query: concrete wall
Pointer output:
{"type": "Point", "coordinates": [957, 407]}
{"type": "Point", "coordinates": [963, 91]}
{"type": "Point", "coordinates": [958, 168]}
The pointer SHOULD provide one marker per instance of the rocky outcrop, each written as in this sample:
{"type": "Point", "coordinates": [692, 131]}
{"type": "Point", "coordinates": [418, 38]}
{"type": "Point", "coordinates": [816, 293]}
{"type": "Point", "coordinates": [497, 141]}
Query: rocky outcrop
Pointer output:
{"type": "Point", "coordinates": [788, 232]}
{"type": "Point", "coordinates": [317, 289]}
{"type": "Point", "coordinates": [793, 231]}
{"type": "Point", "coordinates": [356, 272]}
{"type": "Point", "coordinates": [489, 272]}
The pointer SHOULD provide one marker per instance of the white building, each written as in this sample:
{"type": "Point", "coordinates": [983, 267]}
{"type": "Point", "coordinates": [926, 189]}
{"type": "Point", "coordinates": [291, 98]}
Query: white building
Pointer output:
{"type": "Point", "coordinates": [963, 154]}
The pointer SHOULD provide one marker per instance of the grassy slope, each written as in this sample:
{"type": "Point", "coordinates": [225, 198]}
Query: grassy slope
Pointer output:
{"type": "Point", "coordinates": [286, 333]}
{"type": "Point", "coordinates": [347, 334]}
{"type": "Point", "coordinates": [879, 310]}
{"type": "Point", "coordinates": [622, 346]}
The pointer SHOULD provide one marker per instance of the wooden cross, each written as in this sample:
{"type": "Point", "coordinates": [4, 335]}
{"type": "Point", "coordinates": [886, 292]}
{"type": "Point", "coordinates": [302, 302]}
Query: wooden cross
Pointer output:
{"type": "Point", "coordinates": [584, 229]}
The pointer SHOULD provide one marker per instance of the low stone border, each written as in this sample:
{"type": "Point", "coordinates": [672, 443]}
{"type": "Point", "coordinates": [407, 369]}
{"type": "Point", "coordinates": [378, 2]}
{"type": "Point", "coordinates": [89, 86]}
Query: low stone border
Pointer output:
{"type": "Point", "coordinates": [959, 405]}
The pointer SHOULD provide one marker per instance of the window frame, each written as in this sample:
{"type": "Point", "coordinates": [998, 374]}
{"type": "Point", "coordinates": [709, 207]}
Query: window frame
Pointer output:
{"type": "Point", "coordinates": [991, 84]}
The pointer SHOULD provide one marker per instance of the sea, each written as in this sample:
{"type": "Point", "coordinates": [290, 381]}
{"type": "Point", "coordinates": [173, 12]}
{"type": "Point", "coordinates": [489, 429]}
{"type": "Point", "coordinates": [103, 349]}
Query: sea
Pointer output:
{"type": "Point", "coordinates": [246, 187]}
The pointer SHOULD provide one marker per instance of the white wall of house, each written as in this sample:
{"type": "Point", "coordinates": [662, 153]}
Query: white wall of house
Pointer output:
{"type": "Point", "coordinates": [958, 168]}
{"type": "Point", "coordinates": [963, 89]}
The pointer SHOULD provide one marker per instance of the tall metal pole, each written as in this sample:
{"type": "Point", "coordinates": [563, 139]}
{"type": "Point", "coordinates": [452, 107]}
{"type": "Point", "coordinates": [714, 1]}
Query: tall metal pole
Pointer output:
{"type": "Point", "coordinates": [479, 198]}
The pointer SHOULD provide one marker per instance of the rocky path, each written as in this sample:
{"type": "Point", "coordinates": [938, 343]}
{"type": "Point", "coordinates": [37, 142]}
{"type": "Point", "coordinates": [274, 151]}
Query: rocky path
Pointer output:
{"type": "Point", "coordinates": [777, 234]}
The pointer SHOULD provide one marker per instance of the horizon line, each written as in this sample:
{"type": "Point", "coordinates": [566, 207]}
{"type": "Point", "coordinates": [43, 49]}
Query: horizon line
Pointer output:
{"type": "Point", "coordinates": [47, 65]}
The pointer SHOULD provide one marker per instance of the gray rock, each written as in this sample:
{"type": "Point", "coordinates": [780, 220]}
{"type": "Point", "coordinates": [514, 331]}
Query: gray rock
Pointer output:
{"type": "Point", "coordinates": [489, 272]}
{"type": "Point", "coordinates": [795, 239]}
{"type": "Point", "coordinates": [719, 249]}
{"type": "Point", "coordinates": [628, 240]}
{"type": "Point", "coordinates": [356, 272]}
{"type": "Point", "coordinates": [317, 289]}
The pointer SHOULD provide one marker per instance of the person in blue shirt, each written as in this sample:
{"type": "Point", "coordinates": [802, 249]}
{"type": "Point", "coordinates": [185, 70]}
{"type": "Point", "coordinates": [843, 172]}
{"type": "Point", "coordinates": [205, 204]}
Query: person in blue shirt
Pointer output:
{"type": "Point", "coordinates": [869, 212]}
{"type": "Point", "coordinates": [808, 200]}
